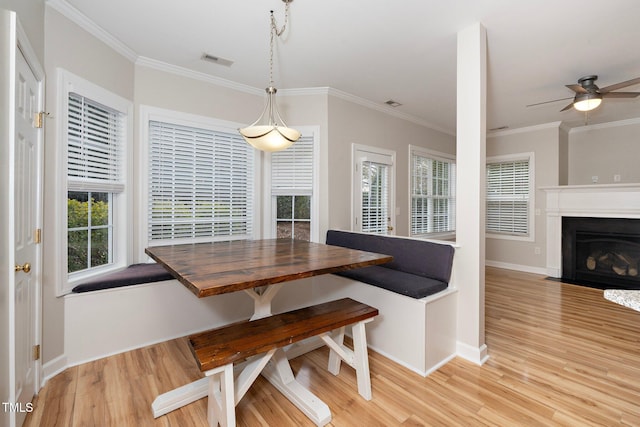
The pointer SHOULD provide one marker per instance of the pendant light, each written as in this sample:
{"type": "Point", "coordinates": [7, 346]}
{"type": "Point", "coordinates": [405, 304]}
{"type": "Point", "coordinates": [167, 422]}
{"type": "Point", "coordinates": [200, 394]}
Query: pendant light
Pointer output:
{"type": "Point", "coordinates": [269, 132]}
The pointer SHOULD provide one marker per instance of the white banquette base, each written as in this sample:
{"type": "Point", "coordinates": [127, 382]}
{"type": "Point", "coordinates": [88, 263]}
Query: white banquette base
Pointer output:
{"type": "Point", "coordinates": [111, 321]}
{"type": "Point", "coordinates": [419, 334]}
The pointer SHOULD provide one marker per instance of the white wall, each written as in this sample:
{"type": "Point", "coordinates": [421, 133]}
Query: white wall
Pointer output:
{"type": "Point", "coordinates": [31, 16]}
{"type": "Point", "coordinates": [563, 158]}
{"type": "Point", "coordinates": [604, 151]}
{"type": "Point", "coordinates": [351, 123]}
{"type": "Point", "coordinates": [544, 142]}
{"type": "Point", "coordinates": [69, 47]}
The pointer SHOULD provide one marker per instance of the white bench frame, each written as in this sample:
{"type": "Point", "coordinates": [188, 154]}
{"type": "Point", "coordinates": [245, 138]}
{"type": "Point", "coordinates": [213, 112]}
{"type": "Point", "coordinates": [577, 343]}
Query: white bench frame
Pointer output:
{"type": "Point", "coordinates": [228, 384]}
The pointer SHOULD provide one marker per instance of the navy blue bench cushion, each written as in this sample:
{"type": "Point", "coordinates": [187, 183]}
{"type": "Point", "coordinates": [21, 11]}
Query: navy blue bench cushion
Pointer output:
{"type": "Point", "coordinates": [132, 275]}
{"type": "Point", "coordinates": [400, 282]}
{"type": "Point", "coordinates": [419, 257]}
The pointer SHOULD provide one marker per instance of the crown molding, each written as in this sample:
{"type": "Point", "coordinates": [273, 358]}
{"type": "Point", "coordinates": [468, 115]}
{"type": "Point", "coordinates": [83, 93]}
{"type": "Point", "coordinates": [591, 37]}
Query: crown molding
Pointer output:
{"type": "Point", "coordinates": [92, 28]}
{"type": "Point", "coordinates": [552, 125]}
{"type": "Point", "coordinates": [196, 75]}
{"type": "Point", "coordinates": [74, 15]}
{"type": "Point", "coordinates": [305, 91]}
{"type": "Point", "coordinates": [387, 110]}
{"type": "Point", "coordinates": [617, 123]}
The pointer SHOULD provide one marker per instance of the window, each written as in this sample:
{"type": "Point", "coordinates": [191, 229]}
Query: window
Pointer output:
{"type": "Point", "coordinates": [373, 190]}
{"type": "Point", "coordinates": [433, 179]}
{"type": "Point", "coordinates": [510, 195]}
{"type": "Point", "coordinates": [94, 176]}
{"type": "Point", "coordinates": [292, 172]}
{"type": "Point", "coordinates": [200, 184]}
{"type": "Point", "coordinates": [375, 197]}
{"type": "Point", "coordinates": [95, 127]}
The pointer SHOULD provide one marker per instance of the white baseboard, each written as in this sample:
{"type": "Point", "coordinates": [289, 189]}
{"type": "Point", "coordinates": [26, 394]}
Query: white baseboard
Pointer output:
{"type": "Point", "coordinates": [477, 355]}
{"type": "Point", "coordinates": [517, 267]}
{"type": "Point", "coordinates": [53, 368]}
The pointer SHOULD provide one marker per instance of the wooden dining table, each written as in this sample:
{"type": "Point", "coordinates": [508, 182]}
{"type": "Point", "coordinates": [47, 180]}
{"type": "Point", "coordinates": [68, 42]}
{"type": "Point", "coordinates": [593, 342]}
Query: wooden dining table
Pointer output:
{"type": "Point", "coordinates": [259, 268]}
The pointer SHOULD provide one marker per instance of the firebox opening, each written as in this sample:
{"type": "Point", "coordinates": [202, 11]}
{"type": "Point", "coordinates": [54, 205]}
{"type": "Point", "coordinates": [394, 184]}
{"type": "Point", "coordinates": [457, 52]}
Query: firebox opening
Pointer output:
{"type": "Point", "coordinates": [601, 252]}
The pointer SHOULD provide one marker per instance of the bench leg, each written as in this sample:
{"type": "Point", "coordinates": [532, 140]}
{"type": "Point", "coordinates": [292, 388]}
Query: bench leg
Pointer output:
{"type": "Point", "coordinates": [361, 360]}
{"type": "Point", "coordinates": [334, 358]}
{"type": "Point", "coordinates": [358, 358]}
{"type": "Point", "coordinates": [221, 408]}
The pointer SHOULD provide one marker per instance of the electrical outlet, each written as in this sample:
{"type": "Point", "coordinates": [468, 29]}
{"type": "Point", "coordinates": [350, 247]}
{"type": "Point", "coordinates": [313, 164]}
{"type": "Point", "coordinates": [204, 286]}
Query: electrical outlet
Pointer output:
{"type": "Point", "coordinates": [536, 250]}
{"type": "Point", "coordinates": [616, 178]}
{"type": "Point", "coordinates": [594, 179]}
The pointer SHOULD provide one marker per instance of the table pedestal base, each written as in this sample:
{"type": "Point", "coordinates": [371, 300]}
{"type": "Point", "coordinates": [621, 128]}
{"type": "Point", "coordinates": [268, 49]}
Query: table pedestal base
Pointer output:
{"type": "Point", "coordinates": [278, 372]}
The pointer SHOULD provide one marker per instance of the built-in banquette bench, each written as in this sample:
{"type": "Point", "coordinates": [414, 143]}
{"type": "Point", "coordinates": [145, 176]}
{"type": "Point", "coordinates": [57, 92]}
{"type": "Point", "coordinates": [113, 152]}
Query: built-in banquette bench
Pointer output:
{"type": "Point", "coordinates": [417, 304]}
{"type": "Point", "coordinates": [133, 275]}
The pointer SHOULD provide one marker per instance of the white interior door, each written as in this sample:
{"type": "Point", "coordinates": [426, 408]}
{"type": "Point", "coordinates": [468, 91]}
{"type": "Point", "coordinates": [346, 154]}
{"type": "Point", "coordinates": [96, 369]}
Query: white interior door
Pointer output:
{"type": "Point", "coordinates": [20, 220]}
{"type": "Point", "coordinates": [373, 190]}
{"type": "Point", "coordinates": [27, 233]}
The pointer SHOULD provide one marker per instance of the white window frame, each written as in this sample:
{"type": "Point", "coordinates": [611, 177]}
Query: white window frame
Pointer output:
{"type": "Point", "coordinates": [149, 113]}
{"type": "Point", "coordinates": [122, 221]}
{"type": "Point", "coordinates": [269, 198]}
{"type": "Point", "coordinates": [530, 156]}
{"type": "Point", "coordinates": [433, 155]}
{"type": "Point", "coordinates": [377, 155]}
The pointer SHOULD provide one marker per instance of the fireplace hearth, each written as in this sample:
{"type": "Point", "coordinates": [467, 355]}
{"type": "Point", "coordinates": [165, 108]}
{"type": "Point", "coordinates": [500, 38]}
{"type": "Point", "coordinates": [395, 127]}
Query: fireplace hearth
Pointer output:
{"type": "Point", "coordinates": [601, 252]}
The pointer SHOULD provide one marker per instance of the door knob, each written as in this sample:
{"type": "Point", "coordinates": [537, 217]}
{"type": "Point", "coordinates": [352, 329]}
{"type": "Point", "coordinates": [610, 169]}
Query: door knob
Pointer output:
{"type": "Point", "coordinates": [26, 267]}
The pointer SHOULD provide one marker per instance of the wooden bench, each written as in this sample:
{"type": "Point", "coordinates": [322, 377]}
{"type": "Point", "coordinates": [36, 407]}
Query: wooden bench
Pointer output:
{"type": "Point", "coordinates": [252, 344]}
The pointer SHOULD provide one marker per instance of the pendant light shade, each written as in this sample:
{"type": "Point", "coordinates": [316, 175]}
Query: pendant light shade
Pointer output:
{"type": "Point", "coordinates": [269, 132]}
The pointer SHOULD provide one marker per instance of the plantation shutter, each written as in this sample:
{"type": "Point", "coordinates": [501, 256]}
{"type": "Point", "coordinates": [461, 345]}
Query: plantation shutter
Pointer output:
{"type": "Point", "coordinates": [94, 146]}
{"type": "Point", "coordinates": [200, 184]}
{"type": "Point", "coordinates": [375, 197]}
{"type": "Point", "coordinates": [292, 169]}
{"type": "Point", "coordinates": [508, 186]}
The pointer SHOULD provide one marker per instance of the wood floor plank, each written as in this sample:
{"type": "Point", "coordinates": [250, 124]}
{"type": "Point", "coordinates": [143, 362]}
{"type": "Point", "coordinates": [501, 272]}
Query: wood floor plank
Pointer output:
{"type": "Point", "coordinates": [560, 355]}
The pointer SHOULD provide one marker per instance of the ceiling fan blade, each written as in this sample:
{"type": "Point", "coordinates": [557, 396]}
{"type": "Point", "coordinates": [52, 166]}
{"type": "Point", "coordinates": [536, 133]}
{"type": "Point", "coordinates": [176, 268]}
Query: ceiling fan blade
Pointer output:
{"type": "Point", "coordinates": [577, 88]}
{"type": "Point", "coordinates": [549, 102]}
{"type": "Point", "coordinates": [620, 85]}
{"type": "Point", "coordinates": [568, 107]}
{"type": "Point", "coordinates": [620, 94]}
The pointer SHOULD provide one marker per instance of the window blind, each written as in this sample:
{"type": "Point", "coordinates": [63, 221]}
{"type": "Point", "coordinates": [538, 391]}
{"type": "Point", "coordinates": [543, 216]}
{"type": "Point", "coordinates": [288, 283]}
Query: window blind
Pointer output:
{"type": "Point", "coordinates": [508, 187]}
{"type": "Point", "coordinates": [432, 195]}
{"type": "Point", "coordinates": [95, 135]}
{"type": "Point", "coordinates": [200, 184]}
{"type": "Point", "coordinates": [375, 197]}
{"type": "Point", "coordinates": [292, 169]}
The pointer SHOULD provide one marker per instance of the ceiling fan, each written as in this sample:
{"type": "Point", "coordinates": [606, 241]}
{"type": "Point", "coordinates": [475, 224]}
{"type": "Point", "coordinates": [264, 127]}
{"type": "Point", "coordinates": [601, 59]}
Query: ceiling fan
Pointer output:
{"type": "Point", "coordinates": [589, 96]}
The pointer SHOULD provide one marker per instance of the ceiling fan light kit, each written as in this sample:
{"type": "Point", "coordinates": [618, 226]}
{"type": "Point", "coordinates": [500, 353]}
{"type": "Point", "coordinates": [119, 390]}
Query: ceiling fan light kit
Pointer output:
{"type": "Point", "coordinates": [270, 132]}
{"type": "Point", "coordinates": [589, 96]}
{"type": "Point", "coordinates": [587, 101]}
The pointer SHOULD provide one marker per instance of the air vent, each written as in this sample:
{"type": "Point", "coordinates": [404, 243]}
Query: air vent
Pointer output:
{"type": "Point", "coordinates": [216, 59]}
{"type": "Point", "coordinates": [393, 103]}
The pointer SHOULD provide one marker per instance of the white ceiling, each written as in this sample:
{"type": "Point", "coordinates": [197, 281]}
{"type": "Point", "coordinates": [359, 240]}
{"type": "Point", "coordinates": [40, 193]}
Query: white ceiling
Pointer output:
{"type": "Point", "coordinates": [401, 50]}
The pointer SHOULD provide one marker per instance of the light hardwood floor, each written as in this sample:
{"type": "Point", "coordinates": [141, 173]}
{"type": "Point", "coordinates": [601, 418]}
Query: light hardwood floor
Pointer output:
{"type": "Point", "coordinates": [559, 355]}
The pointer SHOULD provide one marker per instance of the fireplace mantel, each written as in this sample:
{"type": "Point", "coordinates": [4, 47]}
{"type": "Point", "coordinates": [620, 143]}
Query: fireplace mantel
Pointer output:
{"type": "Point", "coordinates": [601, 200]}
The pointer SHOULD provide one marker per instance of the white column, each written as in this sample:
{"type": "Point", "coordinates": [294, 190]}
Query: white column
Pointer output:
{"type": "Point", "coordinates": [470, 191]}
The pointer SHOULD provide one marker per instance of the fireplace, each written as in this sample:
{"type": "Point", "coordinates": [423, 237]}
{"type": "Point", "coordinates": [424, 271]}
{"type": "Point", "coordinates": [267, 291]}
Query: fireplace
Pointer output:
{"type": "Point", "coordinates": [601, 252]}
